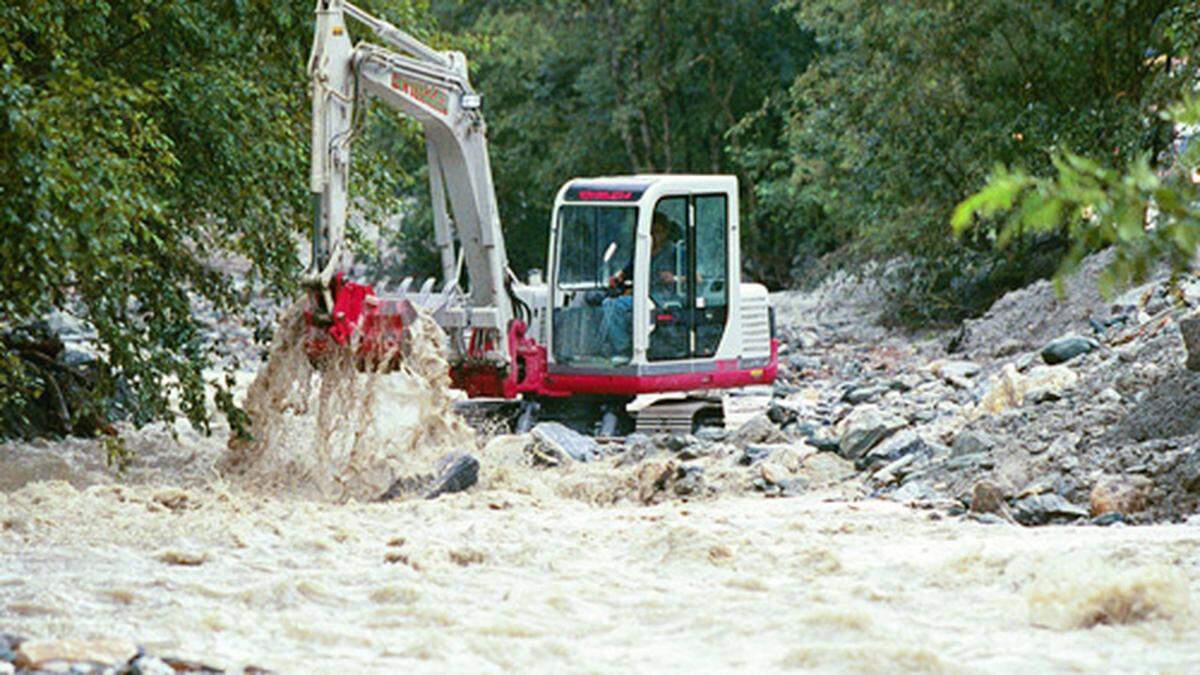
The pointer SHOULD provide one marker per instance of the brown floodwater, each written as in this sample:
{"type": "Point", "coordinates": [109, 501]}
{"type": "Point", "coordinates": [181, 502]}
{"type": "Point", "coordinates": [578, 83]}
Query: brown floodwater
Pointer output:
{"type": "Point", "coordinates": [498, 580]}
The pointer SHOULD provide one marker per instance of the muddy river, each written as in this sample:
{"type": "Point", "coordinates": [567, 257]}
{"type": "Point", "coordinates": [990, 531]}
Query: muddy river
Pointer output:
{"type": "Point", "coordinates": [497, 580]}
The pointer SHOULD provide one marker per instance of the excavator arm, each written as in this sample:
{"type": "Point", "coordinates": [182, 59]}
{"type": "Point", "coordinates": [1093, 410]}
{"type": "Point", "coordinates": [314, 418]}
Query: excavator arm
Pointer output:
{"type": "Point", "coordinates": [432, 88]}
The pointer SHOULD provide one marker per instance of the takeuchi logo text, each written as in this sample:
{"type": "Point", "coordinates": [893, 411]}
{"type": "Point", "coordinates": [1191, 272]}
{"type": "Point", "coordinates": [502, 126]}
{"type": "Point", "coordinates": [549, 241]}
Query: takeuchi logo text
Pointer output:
{"type": "Point", "coordinates": [429, 95]}
{"type": "Point", "coordinates": [605, 195]}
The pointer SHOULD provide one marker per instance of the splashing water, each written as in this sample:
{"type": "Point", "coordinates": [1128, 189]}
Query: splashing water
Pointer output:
{"type": "Point", "coordinates": [337, 434]}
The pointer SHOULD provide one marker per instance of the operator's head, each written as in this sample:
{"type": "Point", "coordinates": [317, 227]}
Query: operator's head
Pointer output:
{"type": "Point", "coordinates": [660, 229]}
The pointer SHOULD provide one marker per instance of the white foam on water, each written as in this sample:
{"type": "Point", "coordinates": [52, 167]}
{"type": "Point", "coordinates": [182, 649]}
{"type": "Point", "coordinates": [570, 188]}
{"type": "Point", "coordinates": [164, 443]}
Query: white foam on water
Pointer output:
{"type": "Point", "coordinates": [337, 433]}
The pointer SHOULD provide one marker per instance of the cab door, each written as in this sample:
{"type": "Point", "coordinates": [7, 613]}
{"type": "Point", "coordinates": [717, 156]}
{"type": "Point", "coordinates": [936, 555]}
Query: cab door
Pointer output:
{"type": "Point", "coordinates": [688, 277]}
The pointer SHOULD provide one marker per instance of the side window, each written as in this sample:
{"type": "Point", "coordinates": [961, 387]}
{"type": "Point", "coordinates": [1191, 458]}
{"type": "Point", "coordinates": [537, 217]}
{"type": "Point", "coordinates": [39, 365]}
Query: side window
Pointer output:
{"type": "Point", "coordinates": [712, 272]}
{"type": "Point", "coordinates": [669, 291]}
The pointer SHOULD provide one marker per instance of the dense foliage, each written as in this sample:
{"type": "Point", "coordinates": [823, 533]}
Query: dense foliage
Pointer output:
{"type": "Point", "coordinates": [142, 146]}
{"type": "Point", "coordinates": [911, 104]}
{"type": "Point", "coordinates": [1147, 208]}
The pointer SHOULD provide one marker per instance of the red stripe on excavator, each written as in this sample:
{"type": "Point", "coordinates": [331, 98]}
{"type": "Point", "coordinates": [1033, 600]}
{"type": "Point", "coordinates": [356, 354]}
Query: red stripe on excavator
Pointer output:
{"type": "Point", "coordinates": [529, 363]}
{"type": "Point", "coordinates": [726, 375]}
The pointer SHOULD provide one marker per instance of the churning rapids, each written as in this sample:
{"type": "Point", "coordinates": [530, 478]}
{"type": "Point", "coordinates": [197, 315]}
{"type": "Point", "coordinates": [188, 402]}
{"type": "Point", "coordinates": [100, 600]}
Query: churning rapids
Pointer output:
{"type": "Point", "coordinates": [273, 554]}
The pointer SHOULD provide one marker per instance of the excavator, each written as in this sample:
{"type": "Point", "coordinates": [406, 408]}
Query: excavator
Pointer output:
{"type": "Point", "coordinates": [641, 319]}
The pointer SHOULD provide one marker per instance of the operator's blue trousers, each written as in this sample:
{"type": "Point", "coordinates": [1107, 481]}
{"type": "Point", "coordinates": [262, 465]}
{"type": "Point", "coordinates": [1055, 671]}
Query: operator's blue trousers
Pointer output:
{"type": "Point", "coordinates": [616, 325]}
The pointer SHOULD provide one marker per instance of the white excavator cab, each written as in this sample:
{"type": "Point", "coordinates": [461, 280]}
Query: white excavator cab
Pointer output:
{"type": "Point", "coordinates": [644, 287]}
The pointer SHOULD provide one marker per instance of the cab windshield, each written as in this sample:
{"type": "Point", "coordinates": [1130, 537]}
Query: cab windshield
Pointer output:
{"type": "Point", "coordinates": [593, 309]}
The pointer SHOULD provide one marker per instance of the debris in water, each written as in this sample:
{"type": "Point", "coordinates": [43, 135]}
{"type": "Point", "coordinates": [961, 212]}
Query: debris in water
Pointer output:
{"type": "Point", "coordinates": [186, 558]}
{"type": "Point", "coordinates": [1090, 595]}
{"type": "Point", "coordinates": [456, 472]}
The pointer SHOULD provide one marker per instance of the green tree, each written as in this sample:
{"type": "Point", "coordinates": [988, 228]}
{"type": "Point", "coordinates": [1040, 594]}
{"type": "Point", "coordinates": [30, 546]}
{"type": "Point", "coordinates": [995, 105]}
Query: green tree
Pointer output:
{"type": "Point", "coordinates": [910, 105]}
{"type": "Point", "coordinates": [143, 147]}
{"type": "Point", "coordinates": [1147, 208]}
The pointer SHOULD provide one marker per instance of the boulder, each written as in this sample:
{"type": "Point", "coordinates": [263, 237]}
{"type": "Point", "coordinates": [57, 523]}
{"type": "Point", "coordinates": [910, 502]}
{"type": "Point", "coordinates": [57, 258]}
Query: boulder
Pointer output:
{"type": "Point", "coordinates": [455, 473]}
{"type": "Point", "coordinates": [1010, 389]}
{"type": "Point", "coordinates": [916, 491]}
{"type": "Point", "coordinates": [61, 654]}
{"type": "Point", "coordinates": [824, 469]}
{"type": "Point", "coordinates": [987, 497]}
{"type": "Point", "coordinates": [1120, 494]}
{"type": "Point", "coordinates": [1067, 347]}
{"type": "Point", "coordinates": [1044, 383]}
{"type": "Point", "coordinates": [757, 452]}
{"type": "Point", "coordinates": [561, 440]}
{"type": "Point", "coordinates": [757, 429]}
{"type": "Point", "coordinates": [857, 395]}
{"type": "Point", "coordinates": [972, 442]}
{"type": "Point", "coordinates": [782, 414]}
{"type": "Point", "coordinates": [864, 428]}
{"type": "Point", "coordinates": [899, 445]}
{"type": "Point", "coordinates": [1045, 508]}
{"type": "Point", "coordinates": [1189, 329]}
{"type": "Point", "coordinates": [1189, 471]}
{"type": "Point", "coordinates": [799, 363]}
{"type": "Point", "coordinates": [709, 434]}
{"type": "Point", "coordinates": [1004, 391]}
{"type": "Point", "coordinates": [957, 373]}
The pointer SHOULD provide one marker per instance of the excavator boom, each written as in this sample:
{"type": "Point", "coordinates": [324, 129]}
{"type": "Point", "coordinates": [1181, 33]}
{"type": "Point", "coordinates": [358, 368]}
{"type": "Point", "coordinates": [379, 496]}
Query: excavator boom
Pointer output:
{"type": "Point", "coordinates": [432, 88]}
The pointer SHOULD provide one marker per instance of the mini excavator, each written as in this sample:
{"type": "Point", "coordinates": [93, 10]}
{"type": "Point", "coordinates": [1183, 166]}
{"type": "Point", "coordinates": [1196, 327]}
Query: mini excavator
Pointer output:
{"type": "Point", "coordinates": [642, 293]}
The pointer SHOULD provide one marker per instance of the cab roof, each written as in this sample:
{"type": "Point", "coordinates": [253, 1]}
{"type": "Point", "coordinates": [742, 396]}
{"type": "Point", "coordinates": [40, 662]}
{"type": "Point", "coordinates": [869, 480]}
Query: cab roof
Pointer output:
{"type": "Point", "coordinates": [631, 188]}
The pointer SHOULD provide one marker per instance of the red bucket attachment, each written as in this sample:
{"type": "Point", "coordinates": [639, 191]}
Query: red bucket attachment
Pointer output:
{"type": "Point", "coordinates": [371, 327]}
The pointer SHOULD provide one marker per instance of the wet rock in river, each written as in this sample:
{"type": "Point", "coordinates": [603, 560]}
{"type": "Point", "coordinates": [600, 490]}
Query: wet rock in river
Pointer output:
{"type": "Point", "coordinates": [456, 473]}
{"type": "Point", "coordinates": [8, 646]}
{"type": "Point", "coordinates": [656, 481]}
{"type": "Point", "coordinates": [1067, 347]}
{"type": "Point", "coordinates": [565, 442]}
{"type": "Point", "coordinates": [185, 666]}
{"type": "Point", "coordinates": [1110, 518]}
{"type": "Point", "coordinates": [987, 497]}
{"type": "Point", "coordinates": [66, 655]}
{"type": "Point", "coordinates": [1120, 494]}
{"type": "Point", "coordinates": [1046, 508]}
{"type": "Point", "coordinates": [149, 665]}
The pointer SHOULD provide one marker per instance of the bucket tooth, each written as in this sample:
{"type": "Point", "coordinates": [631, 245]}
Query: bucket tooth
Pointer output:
{"type": "Point", "coordinates": [426, 291]}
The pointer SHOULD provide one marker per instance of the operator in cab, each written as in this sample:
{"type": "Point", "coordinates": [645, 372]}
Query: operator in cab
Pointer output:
{"type": "Point", "coordinates": [617, 317]}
